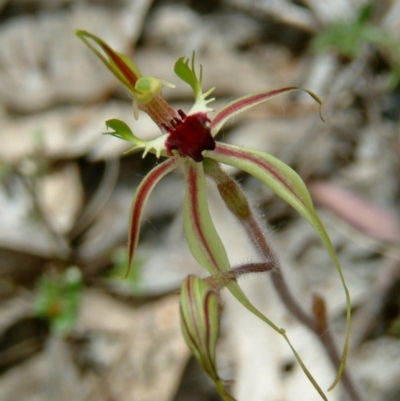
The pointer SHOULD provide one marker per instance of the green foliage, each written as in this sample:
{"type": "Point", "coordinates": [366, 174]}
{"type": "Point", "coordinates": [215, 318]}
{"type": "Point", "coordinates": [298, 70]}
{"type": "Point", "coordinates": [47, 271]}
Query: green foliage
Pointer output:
{"type": "Point", "coordinates": [349, 37]}
{"type": "Point", "coordinates": [58, 299]}
{"type": "Point", "coordinates": [5, 171]}
{"type": "Point", "coordinates": [394, 327]}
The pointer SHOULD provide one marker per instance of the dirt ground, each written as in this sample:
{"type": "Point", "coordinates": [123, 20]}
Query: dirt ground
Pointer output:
{"type": "Point", "coordinates": [70, 327]}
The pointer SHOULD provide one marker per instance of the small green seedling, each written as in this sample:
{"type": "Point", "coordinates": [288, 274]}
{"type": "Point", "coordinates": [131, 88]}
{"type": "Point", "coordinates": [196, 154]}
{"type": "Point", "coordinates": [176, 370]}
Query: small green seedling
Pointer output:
{"type": "Point", "coordinates": [58, 298]}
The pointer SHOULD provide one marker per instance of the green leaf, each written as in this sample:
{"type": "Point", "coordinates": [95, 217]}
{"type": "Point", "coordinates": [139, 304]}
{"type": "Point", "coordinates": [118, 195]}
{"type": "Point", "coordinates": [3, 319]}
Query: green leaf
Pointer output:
{"type": "Point", "coordinates": [347, 38]}
{"type": "Point", "coordinates": [365, 13]}
{"type": "Point", "coordinates": [58, 299]}
{"type": "Point", "coordinates": [287, 184]}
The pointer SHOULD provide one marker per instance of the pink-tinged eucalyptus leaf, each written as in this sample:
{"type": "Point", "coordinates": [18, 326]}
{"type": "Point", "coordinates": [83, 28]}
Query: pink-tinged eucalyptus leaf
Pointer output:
{"type": "Point", "coordinates": [119, 64]}
{"type": "Point", "coordinates": [200, 322]}
{"type": "Point", "coordinates": [287, 184]}
{"type": "Point", "coordinates": [360, 213]}
{"type": "Point", "coordinates": [207, 248]}
{"type": "Point", "coordinates": [246, 102]}
{"type": "Point", "coordinates": [140, 199]}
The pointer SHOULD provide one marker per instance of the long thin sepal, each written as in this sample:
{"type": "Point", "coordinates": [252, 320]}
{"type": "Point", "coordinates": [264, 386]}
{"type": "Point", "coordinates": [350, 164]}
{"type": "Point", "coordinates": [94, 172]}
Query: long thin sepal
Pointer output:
{"type": "Point", "coordinates": [246, 102]}
{"type": "Point", "coordinates": [204, 241]}
{"type": "Point", "coordinates": [120, 65]}
{"type": "Point", "coordinates": [140, 199]}
{"type": "Point", "coordinates": [287, 184]}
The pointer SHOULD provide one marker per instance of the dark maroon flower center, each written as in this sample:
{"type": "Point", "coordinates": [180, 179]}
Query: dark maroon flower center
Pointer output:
{"type": "Point", "coordinates": [190, 136]}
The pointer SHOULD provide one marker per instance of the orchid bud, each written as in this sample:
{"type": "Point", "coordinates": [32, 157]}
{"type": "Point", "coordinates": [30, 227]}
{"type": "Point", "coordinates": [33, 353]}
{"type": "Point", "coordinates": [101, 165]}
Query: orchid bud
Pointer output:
{"type": "Point", "coordinates": [200, 312]}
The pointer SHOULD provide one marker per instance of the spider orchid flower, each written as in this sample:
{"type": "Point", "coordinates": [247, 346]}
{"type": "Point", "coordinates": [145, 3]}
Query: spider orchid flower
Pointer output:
{"type": "Point", "coordinates": [188, 140]}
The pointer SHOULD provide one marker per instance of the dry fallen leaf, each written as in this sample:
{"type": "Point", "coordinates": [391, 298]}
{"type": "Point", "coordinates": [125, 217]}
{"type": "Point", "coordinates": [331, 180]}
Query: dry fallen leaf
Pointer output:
{"type": "Point", "coordinates": [362, 214]}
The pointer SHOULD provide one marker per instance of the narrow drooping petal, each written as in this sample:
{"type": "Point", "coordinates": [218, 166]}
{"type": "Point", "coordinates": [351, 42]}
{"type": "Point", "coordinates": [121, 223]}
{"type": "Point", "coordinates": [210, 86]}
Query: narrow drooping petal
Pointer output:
{"type": "Point", "coordinates": [246, 102]}
{"type": "Point", "coordinates": [287, 184]}
{"type": "Point", "coordinates": [140, 199]}
{"type": "Point", "coordinates": [121, 130]}
{"type": "Point", "coordinates": [200, 313]}
{"type": "Point", "coordinates": [203, 239]}
{"type": "Point", "coordinates": [204, 242]}
{"type": "Point", "coordinates": [145, 91]}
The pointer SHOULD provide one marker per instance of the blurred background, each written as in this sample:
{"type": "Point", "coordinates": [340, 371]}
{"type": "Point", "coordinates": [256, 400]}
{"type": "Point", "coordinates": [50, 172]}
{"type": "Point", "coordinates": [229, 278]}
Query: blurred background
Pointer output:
{"type": "Point", "coordinates": [70, 328]}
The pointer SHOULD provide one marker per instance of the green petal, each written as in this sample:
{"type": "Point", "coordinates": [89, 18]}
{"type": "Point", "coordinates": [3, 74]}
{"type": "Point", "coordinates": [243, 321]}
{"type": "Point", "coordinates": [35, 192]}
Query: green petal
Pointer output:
{"type": "Point", "coordinates": [139, 201]}
{"type": "Point", "coordinates": [122, 131]}
{"type": "Point", "coordinates": [203, 239]}
{"type": "Point", "coordinates": [287, 184]}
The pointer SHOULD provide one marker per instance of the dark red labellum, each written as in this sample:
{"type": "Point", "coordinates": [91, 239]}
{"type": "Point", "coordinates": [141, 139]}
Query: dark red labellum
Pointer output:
{"type": "Point", "coordinates": [191, 136]}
